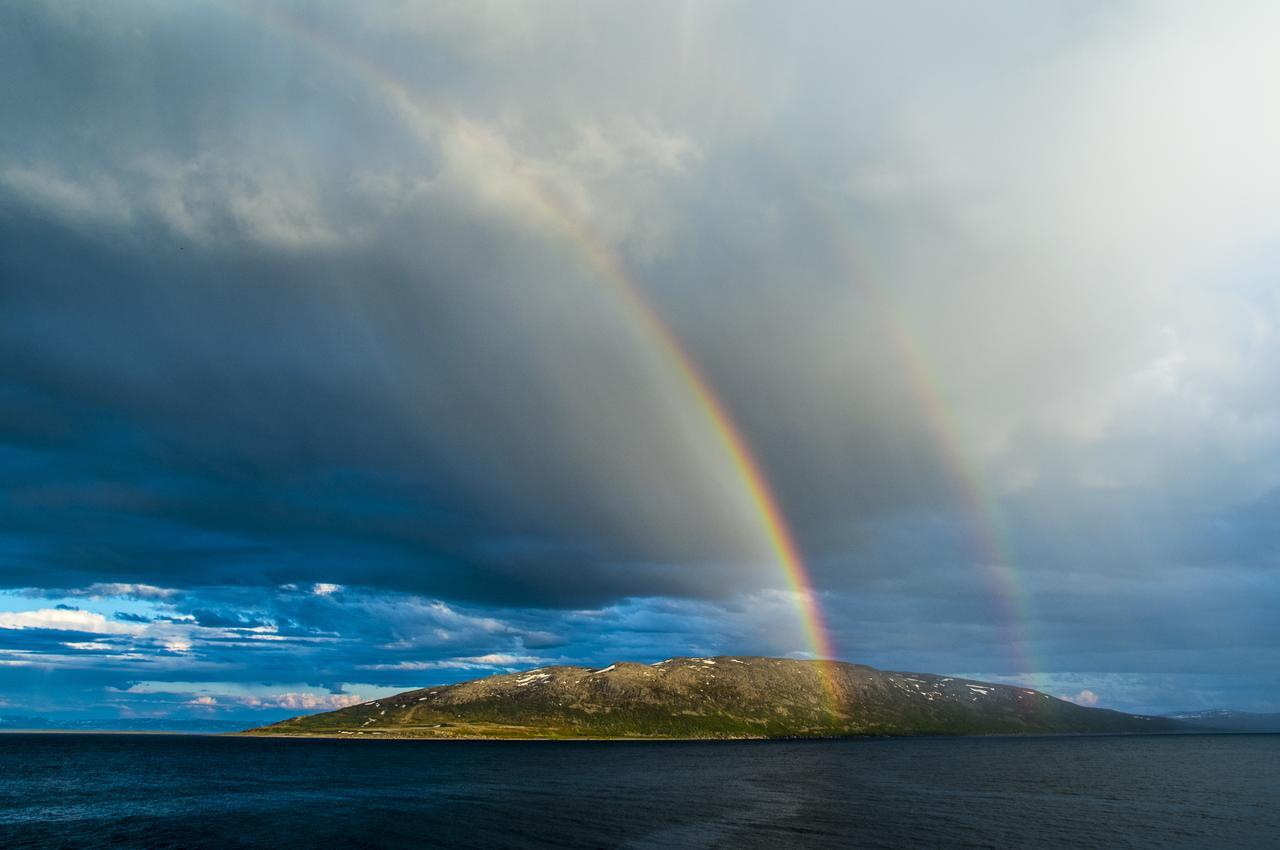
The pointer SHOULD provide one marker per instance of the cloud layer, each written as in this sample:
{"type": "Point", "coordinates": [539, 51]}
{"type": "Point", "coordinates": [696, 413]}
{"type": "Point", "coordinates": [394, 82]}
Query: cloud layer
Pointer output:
{"type": "Point", "coordinates": [313, 342]}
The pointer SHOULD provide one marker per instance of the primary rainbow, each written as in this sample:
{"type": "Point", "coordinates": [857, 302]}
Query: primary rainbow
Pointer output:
{"type": "Point", "coordinates": [435, 123]}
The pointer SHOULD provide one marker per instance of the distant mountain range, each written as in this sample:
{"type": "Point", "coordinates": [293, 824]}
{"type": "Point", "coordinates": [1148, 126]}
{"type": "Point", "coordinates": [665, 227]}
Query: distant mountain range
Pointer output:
{"type": "Point", "coordinates": [1228, 720]}
{"type": "Point", "coordinates": [16, 723]}
{"type": "Point", "coordinates": [722, 697]}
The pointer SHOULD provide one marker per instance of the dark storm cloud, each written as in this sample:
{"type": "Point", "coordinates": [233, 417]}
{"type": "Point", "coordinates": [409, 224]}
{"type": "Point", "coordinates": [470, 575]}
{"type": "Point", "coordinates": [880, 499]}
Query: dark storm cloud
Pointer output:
{"type": "Point", "coordinates": [233, 414]}
{"type": "Point", "coordinates": [987, 292]}
{"type": "Point", "coordinates": [372, 411]}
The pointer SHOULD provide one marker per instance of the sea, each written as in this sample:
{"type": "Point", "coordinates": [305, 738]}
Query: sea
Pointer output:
{"type": "Point", "coordinates": [154, 791]}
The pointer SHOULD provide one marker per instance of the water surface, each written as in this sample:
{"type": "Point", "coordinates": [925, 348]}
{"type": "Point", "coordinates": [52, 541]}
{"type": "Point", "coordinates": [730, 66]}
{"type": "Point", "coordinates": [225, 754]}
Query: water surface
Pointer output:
{"type": "Point", "coordinates": [61, 790]}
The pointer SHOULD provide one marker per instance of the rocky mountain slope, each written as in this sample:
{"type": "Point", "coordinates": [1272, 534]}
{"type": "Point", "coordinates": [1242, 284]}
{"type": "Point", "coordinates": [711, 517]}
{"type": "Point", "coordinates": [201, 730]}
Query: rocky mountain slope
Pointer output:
{"type": "Point", "coordinates": [723, 697]}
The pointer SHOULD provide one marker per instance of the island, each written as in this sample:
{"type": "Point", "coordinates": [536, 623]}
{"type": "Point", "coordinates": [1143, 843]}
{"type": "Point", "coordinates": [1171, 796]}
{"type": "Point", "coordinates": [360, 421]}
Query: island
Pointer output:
{"type": "Point", "coordinates": [725, 697]}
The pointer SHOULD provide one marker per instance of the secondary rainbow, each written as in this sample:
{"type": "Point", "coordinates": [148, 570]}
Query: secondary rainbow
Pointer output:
{"type": "Point", "coordinates": [993, 547]}
{"type": "Point", "coordinates": [435, 123]}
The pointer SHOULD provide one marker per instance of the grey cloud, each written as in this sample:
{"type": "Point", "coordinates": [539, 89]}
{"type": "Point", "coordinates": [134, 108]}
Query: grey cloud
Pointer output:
{"type": "Point", "coordinates": [300, 295]}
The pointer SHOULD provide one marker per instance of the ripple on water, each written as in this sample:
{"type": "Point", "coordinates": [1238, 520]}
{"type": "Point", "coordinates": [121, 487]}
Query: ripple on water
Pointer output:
{"type": "Point", "coordinates": [158, 791]}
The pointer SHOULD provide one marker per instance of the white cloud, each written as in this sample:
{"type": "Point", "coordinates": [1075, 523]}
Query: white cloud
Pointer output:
{"type": "Point", "coordinates": [97, 202]}
{"type": "Point", "coordinates": [125, 590]}
{"type": "Point", "coordinates": [491, 660]}
{"type": "Point", "coordinates": [206, 200]}
{"type": "Point", "coordinates": [89, 645]}
{"type": "Point", "coordinates": [63, 619]}
{"type": "Point", "coordinates": [305, 701]}
{"type": "Point", "coordinates": [1085, 697]}
{"type": "Point", "coordinates": [1104, 205]}
{"type": "Point", "coordinates": [230, 696]}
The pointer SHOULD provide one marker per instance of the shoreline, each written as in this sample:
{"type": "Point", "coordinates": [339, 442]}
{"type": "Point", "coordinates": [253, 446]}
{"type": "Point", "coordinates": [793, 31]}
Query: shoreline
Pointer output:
{"type": "Point", "coordinates": [339, 736]}
{"type": "Point", "coordinates": [551, 740]}
{"type": "Point", "coordinates": [868, 737]}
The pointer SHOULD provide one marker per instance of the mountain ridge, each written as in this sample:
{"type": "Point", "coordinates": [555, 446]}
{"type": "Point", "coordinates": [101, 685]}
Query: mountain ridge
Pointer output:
{"type": "Point", "coordinates": [716, 697]}
{"type": "Point", "coordinates": [1228, 720]}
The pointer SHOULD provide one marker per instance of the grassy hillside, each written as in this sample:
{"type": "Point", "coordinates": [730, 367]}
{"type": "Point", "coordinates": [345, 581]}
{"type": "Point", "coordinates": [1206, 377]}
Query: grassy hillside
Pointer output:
{"type": "Point", "coordinates": [723, 697]}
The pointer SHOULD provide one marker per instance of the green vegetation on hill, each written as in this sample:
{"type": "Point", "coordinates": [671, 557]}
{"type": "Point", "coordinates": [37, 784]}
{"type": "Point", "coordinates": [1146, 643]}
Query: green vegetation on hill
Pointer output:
{"type": "Point", "coordinates": [723, 697]}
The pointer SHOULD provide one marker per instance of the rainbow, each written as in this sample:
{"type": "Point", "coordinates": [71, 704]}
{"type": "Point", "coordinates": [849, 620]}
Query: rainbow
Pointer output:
{"type": "Point", "coordinates": [994, 549]}
{"type": "Point", "coordinates": [517, 188]}
{"type": "Point", "coordinates": [993, 546]}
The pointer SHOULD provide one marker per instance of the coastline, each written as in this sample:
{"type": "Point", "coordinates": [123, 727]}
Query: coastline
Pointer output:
{"type": "Point", "coordinates": [657, 739]}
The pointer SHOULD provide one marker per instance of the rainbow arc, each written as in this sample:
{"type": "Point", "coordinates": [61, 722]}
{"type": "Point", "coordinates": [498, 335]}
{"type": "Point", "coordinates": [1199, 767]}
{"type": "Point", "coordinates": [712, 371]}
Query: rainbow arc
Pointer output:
{"type": "Point", "coordinates": [520, 190]}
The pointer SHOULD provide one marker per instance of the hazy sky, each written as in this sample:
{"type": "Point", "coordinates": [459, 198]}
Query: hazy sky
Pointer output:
{"type": "Point", "coordinates": [323, 375]}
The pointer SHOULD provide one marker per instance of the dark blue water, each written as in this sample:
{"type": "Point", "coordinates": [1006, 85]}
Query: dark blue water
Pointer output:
{"type": "Point", "coordinates": [169, 791]}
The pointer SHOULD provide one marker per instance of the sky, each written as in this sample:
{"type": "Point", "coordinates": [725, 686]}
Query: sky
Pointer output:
{"type": "Point", "coordinates": [351, 348]}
